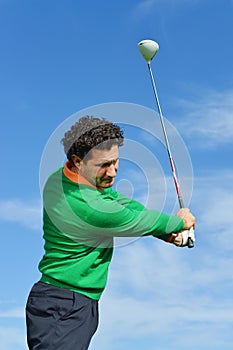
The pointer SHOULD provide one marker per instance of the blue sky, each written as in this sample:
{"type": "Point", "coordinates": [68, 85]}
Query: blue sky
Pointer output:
{"type": "Point", "coordinates": [62, 57]}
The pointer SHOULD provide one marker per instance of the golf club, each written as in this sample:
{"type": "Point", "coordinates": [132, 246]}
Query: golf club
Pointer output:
{"type": "Point", "coordinates": [148, 49]}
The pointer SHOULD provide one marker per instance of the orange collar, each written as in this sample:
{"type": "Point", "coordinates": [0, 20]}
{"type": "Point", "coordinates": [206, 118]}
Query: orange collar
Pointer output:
{"type": "Point", "coordinates": [74, 176]}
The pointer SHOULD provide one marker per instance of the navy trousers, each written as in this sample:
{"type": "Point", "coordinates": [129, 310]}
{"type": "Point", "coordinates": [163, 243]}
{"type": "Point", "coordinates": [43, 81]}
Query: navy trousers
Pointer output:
{"type": "Point", "coordinates": [59, 319]}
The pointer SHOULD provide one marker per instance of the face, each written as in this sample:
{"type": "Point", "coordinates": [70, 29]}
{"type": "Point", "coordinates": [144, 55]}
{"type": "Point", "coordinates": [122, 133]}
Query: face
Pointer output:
{"type": "Point", "coordinates": [101, 168]}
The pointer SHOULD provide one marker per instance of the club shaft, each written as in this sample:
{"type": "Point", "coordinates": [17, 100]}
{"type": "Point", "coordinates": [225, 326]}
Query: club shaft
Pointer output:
{"type": "Point", "coordinates": [178, 191]}
{"type": "Point", "coordinates": [180, 199]}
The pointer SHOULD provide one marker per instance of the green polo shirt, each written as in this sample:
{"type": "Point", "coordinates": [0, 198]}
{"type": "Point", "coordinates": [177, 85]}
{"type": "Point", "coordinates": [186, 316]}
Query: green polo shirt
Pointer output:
{"type": "Point", "coordinates": [80, 223]}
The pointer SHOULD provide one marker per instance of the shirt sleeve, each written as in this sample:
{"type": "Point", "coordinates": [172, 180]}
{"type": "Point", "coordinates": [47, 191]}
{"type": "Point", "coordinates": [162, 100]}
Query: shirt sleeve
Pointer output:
{"type": "Point", "coordinates": [81, 211]}
{"type": "Point", "coordinates": [112, 214]}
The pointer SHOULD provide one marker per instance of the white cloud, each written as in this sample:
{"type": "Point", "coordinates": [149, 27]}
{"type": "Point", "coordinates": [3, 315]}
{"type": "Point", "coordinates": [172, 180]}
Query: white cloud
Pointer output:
{"type": "Point", "coordinates": [210, 118]}
{"type": "Point", "coordinates": [175, 297]}
{"type": "Point", "coordinates": [143, 8]}
{"type": "Point", "coordinates": [12, 338]}
{"type": "Point", "coordinates": [146, 7]}
{"type": "Point", "coordinates": [22, 212]}
{"type": "Point", "coordinates": [159, 292]}
{"type": "Point", "coordinates": [18, 312]}
{"type": "Point", "coordinates": [213, 203]}
{"type": "Point", "coordinates": [156, 293]}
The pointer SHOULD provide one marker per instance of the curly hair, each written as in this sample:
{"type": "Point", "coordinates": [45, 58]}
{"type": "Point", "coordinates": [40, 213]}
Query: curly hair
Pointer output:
{"type": "Point", "coordinates": [90, 132]}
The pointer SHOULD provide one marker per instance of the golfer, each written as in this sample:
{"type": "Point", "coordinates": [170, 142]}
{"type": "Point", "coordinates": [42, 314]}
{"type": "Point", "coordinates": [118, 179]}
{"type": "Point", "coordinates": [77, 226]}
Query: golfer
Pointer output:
{"type": "Point", "coordinates": [81, 216]}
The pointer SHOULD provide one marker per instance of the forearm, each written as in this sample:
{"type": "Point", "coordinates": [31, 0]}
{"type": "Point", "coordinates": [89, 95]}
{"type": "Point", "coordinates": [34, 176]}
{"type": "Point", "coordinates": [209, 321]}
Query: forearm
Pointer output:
{"type": "Point", "coordinates": [105, 215]}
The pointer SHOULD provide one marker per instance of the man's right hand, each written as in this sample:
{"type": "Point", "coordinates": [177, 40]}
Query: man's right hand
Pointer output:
{"type": "Point", "coordinates": [187, 217]}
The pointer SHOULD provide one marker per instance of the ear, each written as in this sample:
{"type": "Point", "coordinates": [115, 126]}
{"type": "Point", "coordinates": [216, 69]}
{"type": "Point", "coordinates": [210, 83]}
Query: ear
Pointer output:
{"type": "Point", "coordinates": [76, 160]}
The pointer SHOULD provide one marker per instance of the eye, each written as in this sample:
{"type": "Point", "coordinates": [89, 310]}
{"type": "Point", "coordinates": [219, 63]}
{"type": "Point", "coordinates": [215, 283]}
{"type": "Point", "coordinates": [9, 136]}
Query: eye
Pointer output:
{"type": "Point", "coordinates": [105, 165]}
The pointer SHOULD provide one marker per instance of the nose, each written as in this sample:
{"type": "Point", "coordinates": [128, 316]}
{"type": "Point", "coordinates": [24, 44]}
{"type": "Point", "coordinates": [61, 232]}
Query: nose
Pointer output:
{"type": "Point", "coordinates": [111, 170]}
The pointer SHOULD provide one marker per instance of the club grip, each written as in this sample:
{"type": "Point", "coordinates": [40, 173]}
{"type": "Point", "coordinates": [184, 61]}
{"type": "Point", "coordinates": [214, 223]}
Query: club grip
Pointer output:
{"type": "Point", "coordinates": [188, 238]}
{"type": "Point", "coordinates": [190, 243]}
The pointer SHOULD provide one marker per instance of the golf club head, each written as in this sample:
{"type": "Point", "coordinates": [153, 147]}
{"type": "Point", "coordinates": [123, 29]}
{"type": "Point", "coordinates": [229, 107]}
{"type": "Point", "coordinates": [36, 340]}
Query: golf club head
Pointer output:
{"type": "Point", "coordinates": [148, 49]}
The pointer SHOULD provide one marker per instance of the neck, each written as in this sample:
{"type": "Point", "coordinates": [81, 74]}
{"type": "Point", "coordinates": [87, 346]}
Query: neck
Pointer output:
{"type": "Point", "coordinates": [74, 169]}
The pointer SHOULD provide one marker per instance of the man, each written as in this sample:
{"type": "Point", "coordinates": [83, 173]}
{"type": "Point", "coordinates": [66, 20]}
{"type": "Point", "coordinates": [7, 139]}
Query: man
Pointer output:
{"type": "Point", "coordinates": [82, 214]}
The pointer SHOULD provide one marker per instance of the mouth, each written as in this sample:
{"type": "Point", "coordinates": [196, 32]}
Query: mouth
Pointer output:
{"type": "Point", "coordinates": [105, 181]}
{"type": "Point", "coordinates": [109, 179]}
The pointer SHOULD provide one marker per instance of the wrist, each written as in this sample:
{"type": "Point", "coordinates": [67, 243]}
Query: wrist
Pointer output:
{"type": "Point", "coordinates": [172, 238]}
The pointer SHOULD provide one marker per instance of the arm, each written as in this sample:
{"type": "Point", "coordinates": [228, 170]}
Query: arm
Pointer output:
{"type": "Point", "coordinates": [112, 214]}
{"type": "Point", "coordinates": [81, 212]}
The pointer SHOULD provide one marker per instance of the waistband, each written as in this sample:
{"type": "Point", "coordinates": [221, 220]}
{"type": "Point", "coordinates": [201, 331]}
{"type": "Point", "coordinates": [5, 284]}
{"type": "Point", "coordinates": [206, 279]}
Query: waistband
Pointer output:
{"type": "Point", "coordinates": [41, 288]}
{"type": "Point", "coordinates": [62, 285]}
